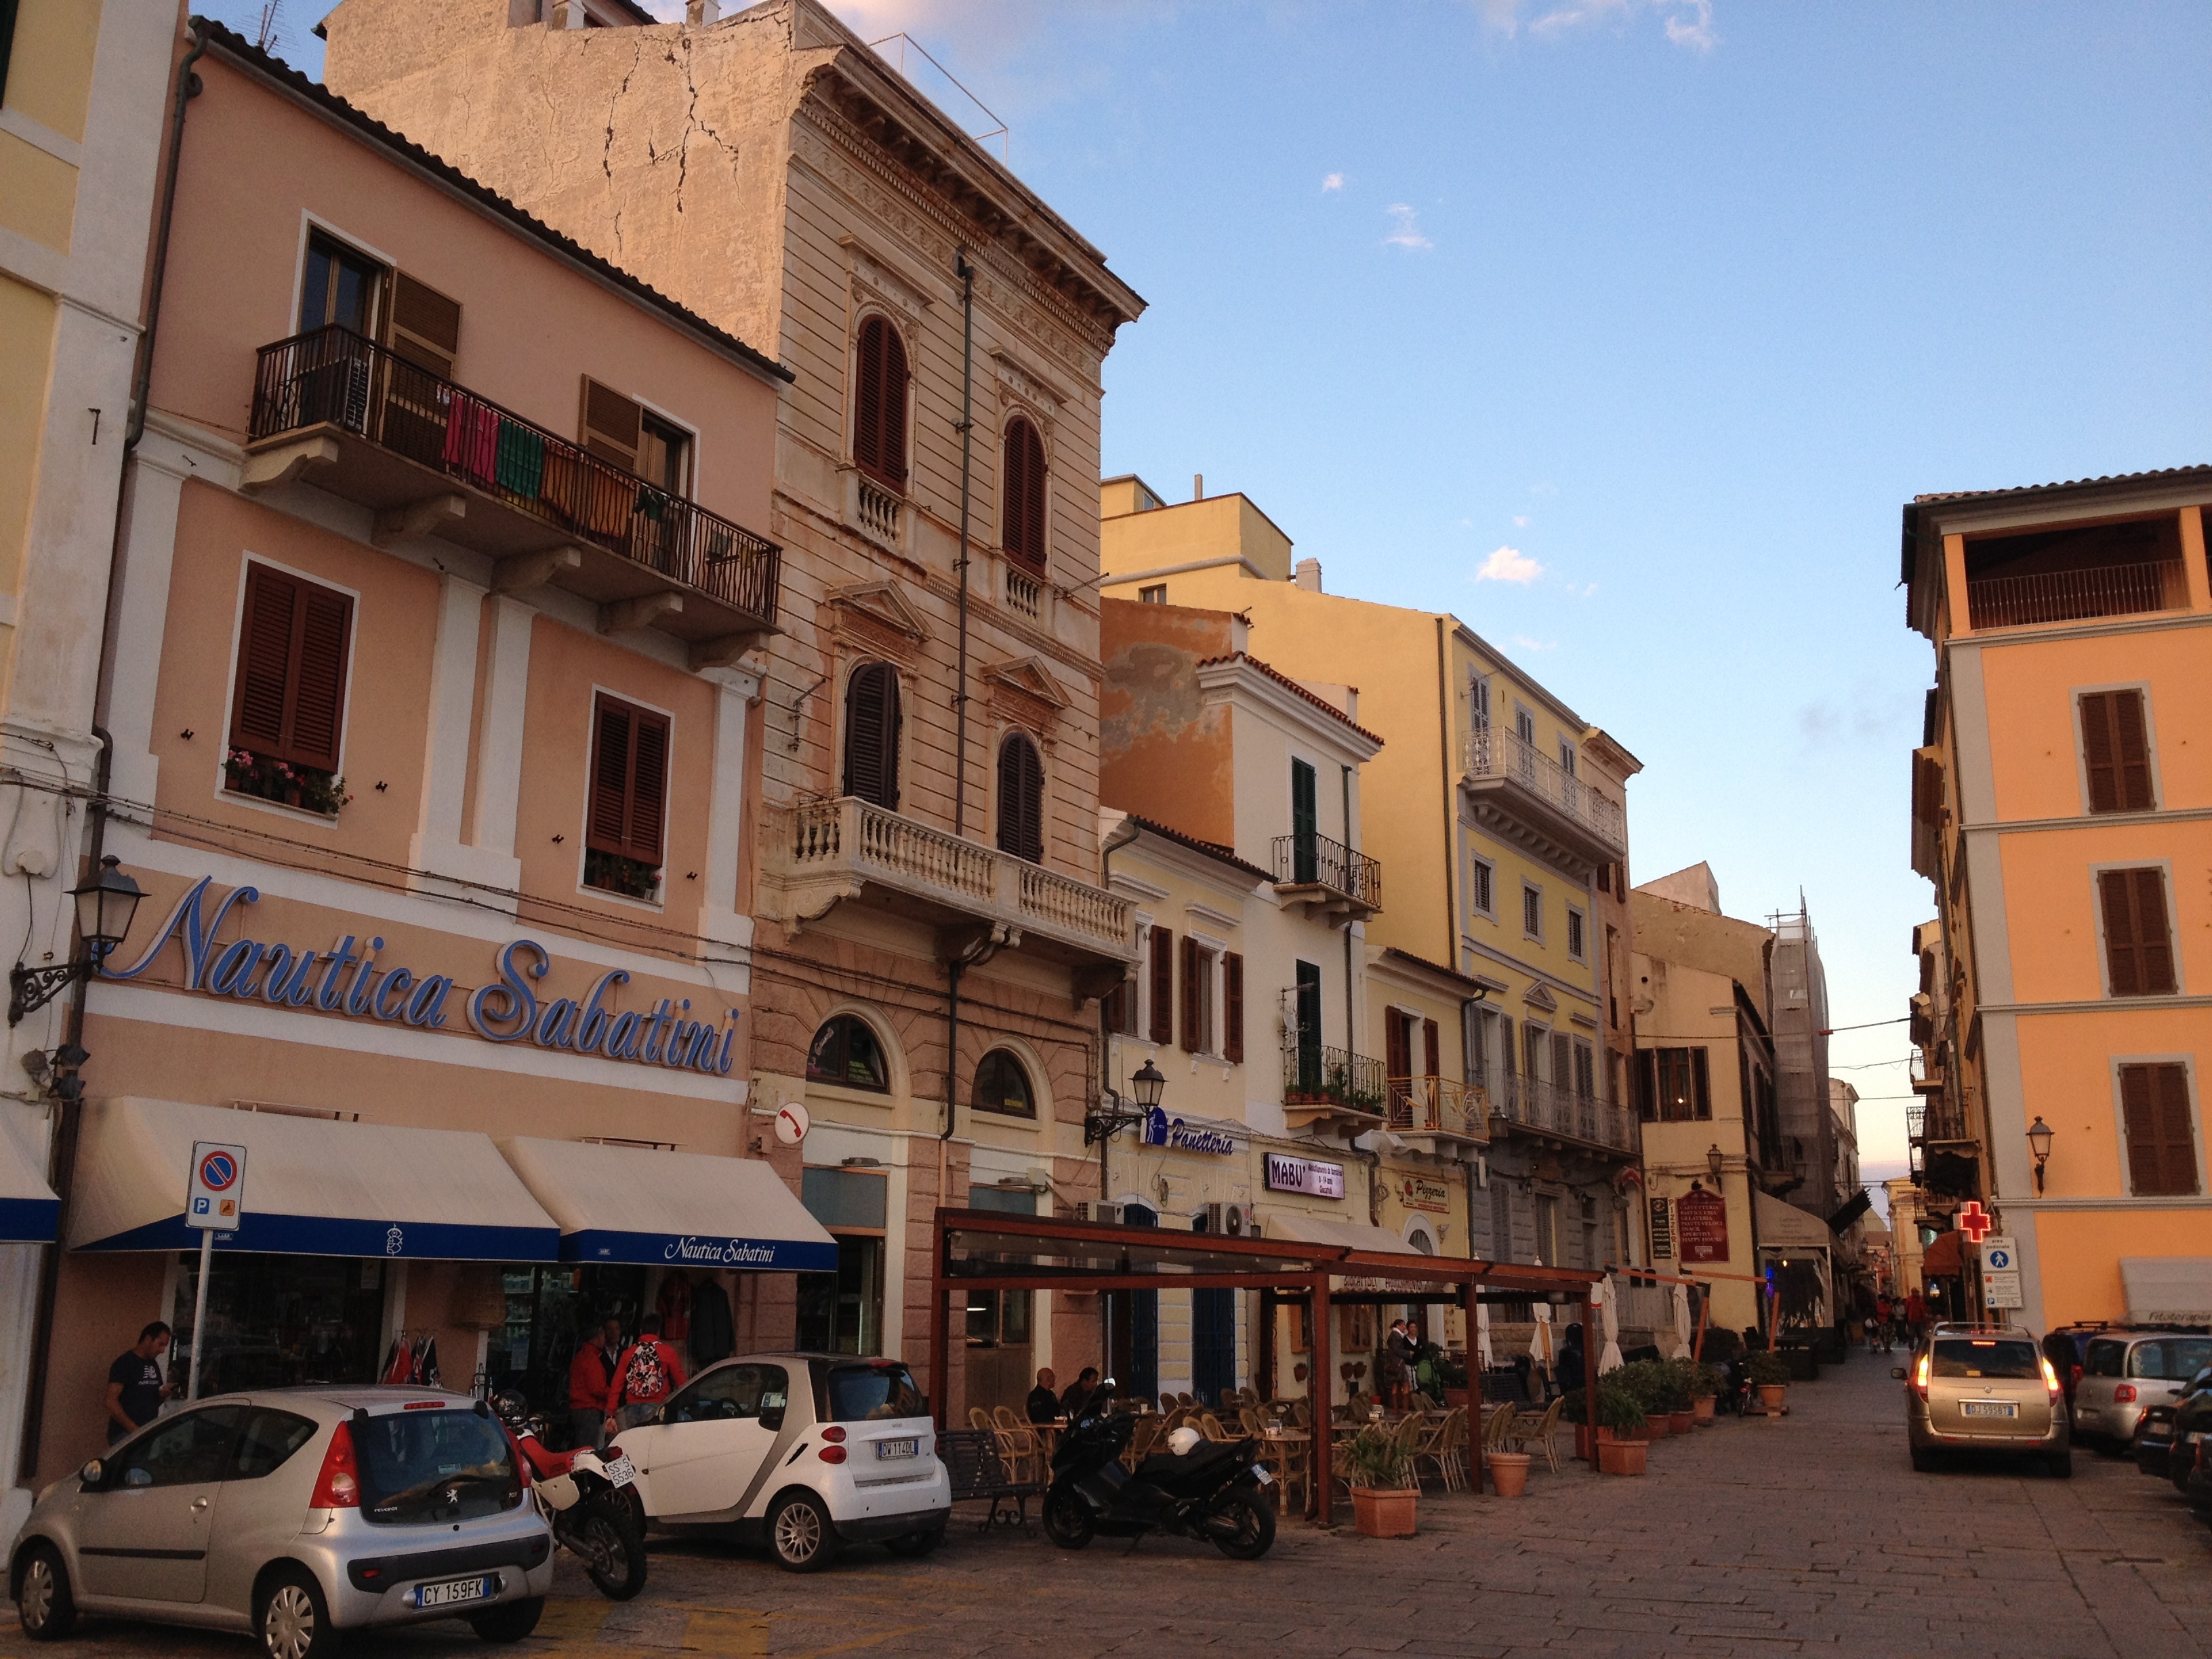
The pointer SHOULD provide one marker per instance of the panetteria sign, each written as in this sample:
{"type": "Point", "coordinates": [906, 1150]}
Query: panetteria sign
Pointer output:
{"type": "Point", "coordinates": [350, 980]}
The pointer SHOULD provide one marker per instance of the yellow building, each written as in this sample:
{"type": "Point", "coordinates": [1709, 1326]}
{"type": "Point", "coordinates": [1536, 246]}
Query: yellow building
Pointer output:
{"type": "Point", "coordinates": [2063, 808]}
{"type": "Point", "coordinates": [1496, 813]}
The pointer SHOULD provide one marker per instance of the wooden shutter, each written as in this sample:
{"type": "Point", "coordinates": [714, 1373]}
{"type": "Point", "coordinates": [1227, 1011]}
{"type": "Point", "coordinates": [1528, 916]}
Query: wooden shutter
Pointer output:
{"type": "Point", "coordinates": [289, 700]}
{"type": "Point", "coordinates": [871, 735]}
{"type": "Point", "coordinates": [1021, 799]}
{"type": "Point", "coordinates": [879, 403]}
{"type": "Point", "coordinates": [612, 425]}
{"type": "Point", "coordinates": [1162, 986]}
{"type": "Point", "coordinates": [2138, 946]}
{"type": "Point", "coordinates": [1430, 1048]}
{"type": "Point", "coordinates": [1397, 1051]}
{"type": "Point", "coordinates": [264, 660]}
{"type": "Point", "coordinates": [1194, 991]}
{"type": "Point", "coordinates": [630, 781]}
{"type": "Point", "coordinates": [426, 326]}
{"type": "Point", "coordinates": [1701, 1083]}
{"type": "Point", "coordinates": [1647, 1085]}
{"type": "Point", "coordinates": [2116, 752]}
{"type": "Point", "coordinates": [319, 683]}
{"type": "Point", "coordinates": [1563, 1059]}
{"type": "Point", "coordinates": [1022, 488]}
{"type": "Point", "coordinates": [2161, 1143]}
{"type": "Point", "coordinates": [1232, 1009]}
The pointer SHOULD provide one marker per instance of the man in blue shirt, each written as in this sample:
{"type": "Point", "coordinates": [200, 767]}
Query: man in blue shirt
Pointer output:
{"type": "Point", "coordinates": [135, 1387]}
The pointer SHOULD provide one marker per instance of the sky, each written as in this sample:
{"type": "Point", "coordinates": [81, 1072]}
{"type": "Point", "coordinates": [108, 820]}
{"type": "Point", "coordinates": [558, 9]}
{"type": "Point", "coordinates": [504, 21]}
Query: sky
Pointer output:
{"type": "Point", "coordinates": [1623, 329]}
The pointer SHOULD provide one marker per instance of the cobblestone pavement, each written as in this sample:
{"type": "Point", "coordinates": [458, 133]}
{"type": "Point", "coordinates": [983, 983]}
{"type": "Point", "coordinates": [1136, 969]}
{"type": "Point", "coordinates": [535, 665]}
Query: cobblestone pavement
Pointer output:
{"type": "Point", "coordinates": [1809, 1533]}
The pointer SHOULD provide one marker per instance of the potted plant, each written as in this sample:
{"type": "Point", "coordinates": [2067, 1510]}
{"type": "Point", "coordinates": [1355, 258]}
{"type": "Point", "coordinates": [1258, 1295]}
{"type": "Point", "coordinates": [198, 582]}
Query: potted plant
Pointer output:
{"type": "Point", "coordinates": [1682, 1395]}
{"type": "Point", "coordinates": [1451, 1373]}
{"type": "Point", "coordinates": [1509, 1471]}
{"type": "Point", "coordinates": [1383, 1503]}
{"type": "Point", "coordinates": [1705, 1388]}
{"type": "Point", "coordinates": [1620, 1426]}
{"type": "Point", "coordinates": [1653, 1388]}
{"type": "Point", "coordinates": [1771, 1377]}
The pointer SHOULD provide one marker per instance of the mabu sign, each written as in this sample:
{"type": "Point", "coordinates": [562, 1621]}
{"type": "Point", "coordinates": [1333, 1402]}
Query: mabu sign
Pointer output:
{"type": "Point", "coordinates": [352, 982]}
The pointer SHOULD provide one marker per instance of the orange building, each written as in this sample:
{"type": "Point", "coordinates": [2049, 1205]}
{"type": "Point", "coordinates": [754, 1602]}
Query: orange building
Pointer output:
{"type": "Point", "coordinates": [2063, 808]}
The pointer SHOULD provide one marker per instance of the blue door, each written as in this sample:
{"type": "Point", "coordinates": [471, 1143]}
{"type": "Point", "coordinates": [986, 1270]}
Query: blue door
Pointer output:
{"type": "Point", "coordinates": [1212, 1344]}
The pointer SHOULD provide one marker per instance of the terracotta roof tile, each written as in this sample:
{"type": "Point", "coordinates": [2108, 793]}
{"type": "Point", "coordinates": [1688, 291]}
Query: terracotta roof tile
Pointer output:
{"type": "Point", "coordinates": [1281, 678]}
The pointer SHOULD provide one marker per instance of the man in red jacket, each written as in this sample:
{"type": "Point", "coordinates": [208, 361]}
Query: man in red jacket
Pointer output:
{"type": "Point", "coordinates": [646, 1374]}
{"type": "Point", "coordinates": [592, 1386]}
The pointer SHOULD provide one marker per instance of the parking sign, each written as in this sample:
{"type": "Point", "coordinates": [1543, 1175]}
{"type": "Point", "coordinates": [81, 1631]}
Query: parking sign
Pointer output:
{"type": "Point", "coordinates": [2001, 1287]}
{"type": "Point", "coordinates": [215, 1192]}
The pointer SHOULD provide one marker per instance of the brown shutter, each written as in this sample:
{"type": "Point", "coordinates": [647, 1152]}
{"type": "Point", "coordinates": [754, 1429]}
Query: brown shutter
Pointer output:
{"type": "Point", "coordinates": [1232, 1011]}
{"type": "Point", "coordinates": [264, 660]}
{"type": "Point", "coordinates": [1701, 1083]}
{"type": "Point", "coordinates": [612, 425]}
{"type": "Point", "coordinates": [648, 790]}
{"type": "Point", "coordinates": [1023, 486]}
{"type": "Point", "coordinates": [2138, 945]}
{"type": "Point", "coordinates": [871, 735]}
{"type": "Point", "coordinates": [1162, 986]}
{"type": "Point", "coordinates": [2116, 752]}
{"type": "Point", "coordinates": [2154, 1112]}
{"type": "Point", "coordinates": [289, 700]}
{"type": "Point", "coordinates": [318, 684]}
{"type": "Point", "coordinates": [1563, 1059]}
{"type": "Point", "coordinates": [879, 403]}
{"type": "Point", "coordinates": [894, 415]}
{"type": "Point", "coordinates": [1397, 1051]}
{"type": "Point", "coordinates": [1647, 1085]}
{"type": "Point", "coordinates": [1430, 1048]}
{"type": "Point", "coordinates": [1193, 991]}
{"type": "Point", "coordinates": [1021, 799]}
{"type": "Point", "coordinates": [630, 781]}
{"type": "Point", "coordinates": [426, 326]}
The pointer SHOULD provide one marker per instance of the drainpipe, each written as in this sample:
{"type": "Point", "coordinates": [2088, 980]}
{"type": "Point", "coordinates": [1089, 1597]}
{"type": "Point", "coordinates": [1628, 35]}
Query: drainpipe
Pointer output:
{"type": "Point", "coordinates": [1122, 836]}
{"type": "Point", "coordinates": [967, 275]}
{"type": "Point", "coordinates": [1350, 1002]}
{"type": "Point", "coordinates": [62, 1156]}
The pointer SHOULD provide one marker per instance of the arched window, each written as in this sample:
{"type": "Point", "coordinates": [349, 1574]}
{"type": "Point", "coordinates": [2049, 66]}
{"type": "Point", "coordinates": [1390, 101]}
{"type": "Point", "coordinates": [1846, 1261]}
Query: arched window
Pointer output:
{"type": "Point", "coordinates": [879, 403]}
{"type": "Point", "coordinates": [871, 735]}
{"type": "Point", "coordinates": [1021, 491]}
{"type": "Point", "coordinates": [847, 1051]}
{"type": "Point", "coordinates": [1021, 799]}
{"type": "Point", "coordinates": [1001, 1085]}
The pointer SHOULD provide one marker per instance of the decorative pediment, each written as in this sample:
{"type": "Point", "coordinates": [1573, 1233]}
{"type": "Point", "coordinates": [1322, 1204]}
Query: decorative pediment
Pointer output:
{"type": "Point", "coordinates": [1030, 677]}
{"type": "Point", "coordinates": [1538, 998]}
{"type": "Point", "coordinates": [890, 282]}
{"type": "Point", "coordinates": [1029, 386]}
{"type": "Point", "coordinates": [882, 604]}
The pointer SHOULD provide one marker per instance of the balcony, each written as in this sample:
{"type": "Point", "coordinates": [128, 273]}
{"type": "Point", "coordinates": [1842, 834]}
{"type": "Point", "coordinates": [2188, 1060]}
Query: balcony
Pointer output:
{"type": "Point", "coordinates": [429, 456]}
{"type": "Point", "coordinates": [1449, 1115]}
{"type": "Point", "coordinates": [1532, 1106]}
{"type": "Point", "coordinates": [2058, 596]}
{"type": "Point", "coordinates": [821, 852]}
{"type": "Point", "coordinates": [1332, 1089]}
{"type": "Point", "coordinates": [1926, 1072]}
{"type": "Point", "coordinates": [1326, 878]}
{"type": "Point", "coordinates": [1530, 798]}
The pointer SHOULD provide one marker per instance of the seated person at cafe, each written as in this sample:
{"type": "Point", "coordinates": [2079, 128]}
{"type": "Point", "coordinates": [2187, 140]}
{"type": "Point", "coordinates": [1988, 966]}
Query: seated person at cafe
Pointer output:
{"type": "Point", "coordinates": [1042, 1405]}
{"type": "Point", "coordinates": [1081, 1389]}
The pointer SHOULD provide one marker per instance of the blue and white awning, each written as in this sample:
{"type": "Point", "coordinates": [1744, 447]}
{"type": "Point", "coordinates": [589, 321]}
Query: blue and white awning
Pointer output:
{"type": "Point", "coordinates": [29, 1212]}
{"type": "Point", "coordinates": [691, 1209]}
{"type": "Point", "coordinates": [313, 1186]}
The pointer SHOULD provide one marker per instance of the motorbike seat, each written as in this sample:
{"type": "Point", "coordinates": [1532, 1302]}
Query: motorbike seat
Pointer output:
{"type": "Point", "coordinates": [1166, 1469]}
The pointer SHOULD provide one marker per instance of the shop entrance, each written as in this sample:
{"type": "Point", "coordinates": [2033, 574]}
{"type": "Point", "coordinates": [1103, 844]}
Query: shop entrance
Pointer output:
{"type": "Point", "coordinates": [843, 1312]}
{"type": "Point", "coordinates": [275, 1321]}
{"type": "Point", "coordinates": [1212, 1344]}
{"type": "Point", "coordinates": [550, 1311]}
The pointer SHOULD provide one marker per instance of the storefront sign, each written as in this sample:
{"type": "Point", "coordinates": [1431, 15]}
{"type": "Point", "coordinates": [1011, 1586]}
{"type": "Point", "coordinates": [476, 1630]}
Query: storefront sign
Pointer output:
{"type": "Point", "coordinates": [506, 1010]}
{"type": "Point", "coordinates": [1662, 1229]}
{"type": "Point", "coordinates": [1419, 1193]}
{"type": "Point", "coordinates": [1286, 1174]}
{"type": "Point", "coordinates": [1701, 1220]}
{"type": "Point", "coordinates": [1160, 1130]}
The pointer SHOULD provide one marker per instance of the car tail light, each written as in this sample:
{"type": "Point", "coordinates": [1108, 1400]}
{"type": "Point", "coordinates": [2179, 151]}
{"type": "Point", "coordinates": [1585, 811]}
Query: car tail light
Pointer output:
{"type": "Point", "coordinates": [338, 1486]}
{"type": "Point", "coordinates": [1920, 1377]}
{"type": "Point", "coordinates": [2051, 1383]}
{"type": "Point", "coordinates": [831, 1454]}
{"type": "Point", "coordinates": [2125, 1394]}
{"type": "Point", "coordinates": [834, 1435]}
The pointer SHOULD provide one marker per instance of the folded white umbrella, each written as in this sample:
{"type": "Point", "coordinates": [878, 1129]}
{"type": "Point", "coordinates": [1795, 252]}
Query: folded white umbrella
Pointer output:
{"type": "Point", "coordinates": [1482, 1334]}
{"type": "Point", "coordinates": [1608, 1358]}
{"type": "Point", "coordinates": [1682, 1317]}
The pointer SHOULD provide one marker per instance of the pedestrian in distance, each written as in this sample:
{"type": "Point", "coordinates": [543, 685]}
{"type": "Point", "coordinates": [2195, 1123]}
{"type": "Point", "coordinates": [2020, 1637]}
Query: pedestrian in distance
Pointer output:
{"type": "Point", "coordinates": [1915, 1316]}
{"type": "Point", "coordinates": [646, 1375]}
{"type": "Point", "coordinates": [591, 1385]}
{"type": "Point", "coordinates": [1086, 1380]}
{"type": "Point", "coordinates": [135, 1386]}
{"type": "Point", "coordinates": [1042, 1405]}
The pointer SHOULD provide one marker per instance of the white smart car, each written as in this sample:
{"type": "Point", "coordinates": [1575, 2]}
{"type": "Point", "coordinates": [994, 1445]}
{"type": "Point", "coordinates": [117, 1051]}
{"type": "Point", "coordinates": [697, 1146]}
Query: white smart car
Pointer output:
{"type": "Point", "coordinates": [804, 1452]}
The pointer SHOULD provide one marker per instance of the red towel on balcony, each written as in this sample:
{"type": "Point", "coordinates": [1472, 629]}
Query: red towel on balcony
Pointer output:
{"type": "Point", "coordinates": [472, 439]}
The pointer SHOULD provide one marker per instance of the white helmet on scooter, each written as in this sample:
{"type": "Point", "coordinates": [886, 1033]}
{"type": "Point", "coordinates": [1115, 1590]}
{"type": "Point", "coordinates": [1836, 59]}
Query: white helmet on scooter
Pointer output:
{"type": "Point", "coordinates": [1181, 1441]}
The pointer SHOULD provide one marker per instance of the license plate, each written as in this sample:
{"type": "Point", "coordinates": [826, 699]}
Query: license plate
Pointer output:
{"type": "Point", "coordinates": [454, 1591]}
{"type": "Point", "coordinates": [1988, 1409]}
{"type": "Point", "coordinates": [621, 1471]}
{"type": "Point", "coordinates": [1262, 1476]}
{"type": "Point", "coordinates": [889, 1449]}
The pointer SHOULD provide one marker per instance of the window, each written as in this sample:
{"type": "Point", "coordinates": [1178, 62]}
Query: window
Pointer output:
{"type": "Point", "coordinates": [847, 1052]}
{"type": "Point", "coordinates": [271, 1437]}
{"type": "Point", "coordinates": [1673, 1086]}
{"type": "Point", "coordinates": [1021, 799]}
{"type": "Point", "coordinates": [1307, 1036]}
{"type": "Point", "coordinates": [1548, 1230]}
{"type": "Point", "coordinates": [998, 1319]}
{"type": "Point", "coordinates": [663, 455]}
{"type": "Point", "coordinates": [1001, 1085]}
{"type": "Point", "coordinates": [1575, 933]}
{"type": "Point", "coordinates": [340, 287]}
{"type": "Point", "coordinates": [1156, 594]}
{"type": "Point", "coordinates": [2116, 752]}
{"type": "Point", "coordinates": [287, 709]}
{"type": "Point", "coordinates": [2161, 1138]}
{"type": "Point", "coordinates": [1533, 1039]}
{"type": "Point", "coordinates": [1163, 972]}
{"type": "Point", "coordinates": [1524, 725]}
{"type": "Point", "coordinates": [1532, 911]}
{"type": "Point", "coordinates": [1566, 757]}
{"type": "Point", "coordinates": [1021, 496]}
{"type": "Point", "coordinates": [733, 1393]}
{"type": "Point", "coordinates": [1482, 876]}
{"type": "Point", "coordinates": [1988, 1357]}
{"type": "Point", "coordinates": [1305, 823]}
{"type": "Point", "coordinates": [1478, 699]}
{"type": "Point", "coordinates": [1585, 1069]}
{"type": "Point", "coordinates": [879, 405]}
{"type": "Point", "coordinates": [2138, 944]}
{"type": "Point", "coordinates": [1198, 1034]}
{"type": "Point", "coordinates": [193, 1448]}
{"type": "Point", "coordinates": [871, 735]}
{"type": "Point", "coordinates": [629, 785]}
{"type": "Point", "coordinates": [2171, 1360]}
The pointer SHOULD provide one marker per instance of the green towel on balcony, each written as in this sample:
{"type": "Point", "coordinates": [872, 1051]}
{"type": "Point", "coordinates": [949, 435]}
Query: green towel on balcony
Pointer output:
{"type": "Point", "coordinates": [520, 463]}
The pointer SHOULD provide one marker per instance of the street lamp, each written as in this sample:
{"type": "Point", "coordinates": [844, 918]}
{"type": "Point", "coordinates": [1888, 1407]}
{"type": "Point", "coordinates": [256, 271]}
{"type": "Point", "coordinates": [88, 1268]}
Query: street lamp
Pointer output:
{"type": "Point", "coordinates": [2038, 1142]}
{"type": "Point", "coordinates": [1148, 1083]}
{"type": "Point", "coordinates": [106, 902]}
{"type": "Point", "coordinates": [1713, 1160]}
{"type": "Point", "coordinates": [1114, 1113]}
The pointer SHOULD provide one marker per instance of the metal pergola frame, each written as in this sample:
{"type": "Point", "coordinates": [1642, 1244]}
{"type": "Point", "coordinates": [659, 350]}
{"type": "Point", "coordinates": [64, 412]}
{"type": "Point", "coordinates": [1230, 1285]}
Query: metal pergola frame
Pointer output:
{"type": "Point", "coordinates": [1285, 1270]}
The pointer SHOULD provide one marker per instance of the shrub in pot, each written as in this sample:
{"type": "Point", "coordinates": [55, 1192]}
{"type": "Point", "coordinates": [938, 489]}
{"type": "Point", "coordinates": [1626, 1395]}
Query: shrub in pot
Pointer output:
{"type": "Point", "coordinates": [1383, 1502]}
{"type": "Point", "coordinates": [1705, 1383]}
{"type": "Point", "coordinates": [1620, 1426]}
{"type": "Point", "coordinates": [1770, 1374]}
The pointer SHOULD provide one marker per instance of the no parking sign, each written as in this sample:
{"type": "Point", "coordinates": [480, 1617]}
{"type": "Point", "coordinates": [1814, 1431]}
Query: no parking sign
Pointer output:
{"type": "Point", "coordinates": [214, 1192]}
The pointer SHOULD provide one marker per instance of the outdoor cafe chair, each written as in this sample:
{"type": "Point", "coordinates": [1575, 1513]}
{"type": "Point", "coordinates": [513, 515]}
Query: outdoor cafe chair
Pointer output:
{"type": "Point", "coordinates": [1497, 1432]}
{"type": "Point", "coordinates": [1439, 1448]}
{"type": "Point", "coordinates": [1538, 1429]}
{"type": "Point", "coordinates": [979, 1419]}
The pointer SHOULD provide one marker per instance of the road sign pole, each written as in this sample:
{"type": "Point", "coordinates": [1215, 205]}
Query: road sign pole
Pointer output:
{"type": "Point", "coordinates": [199, 1311]}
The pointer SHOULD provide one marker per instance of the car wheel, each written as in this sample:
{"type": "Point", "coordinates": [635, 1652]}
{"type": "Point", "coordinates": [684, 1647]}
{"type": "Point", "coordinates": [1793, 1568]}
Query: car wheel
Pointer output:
{"type": "Point", "coordinates": [44, 1605]}
{"type": "Point", "coordinates": [800, 1535]}
{"type": "Point", "coordinates": [1067, 1518]}
{"type": "Point", "coordinates": [916, 1543]}
{"type": "Point", "coordinates": [293, 1621]}
{"type": "Point", "coordinates": [2060, 1464]}
{"type": "Point", "coordinates": [1923, 1462]}
{"type": "Point", "coordinates": [510, 1621]}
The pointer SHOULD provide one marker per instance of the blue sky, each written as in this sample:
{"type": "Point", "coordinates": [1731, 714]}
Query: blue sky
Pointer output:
{"type": "Point", "coordinates": [1676, 302]}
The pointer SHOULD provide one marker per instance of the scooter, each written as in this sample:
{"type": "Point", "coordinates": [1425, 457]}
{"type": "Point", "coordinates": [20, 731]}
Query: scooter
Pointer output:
{"type": "Point", "coordinates": [1210, 1490]}
{"type": "Point", "coordinates": [589, 1497]}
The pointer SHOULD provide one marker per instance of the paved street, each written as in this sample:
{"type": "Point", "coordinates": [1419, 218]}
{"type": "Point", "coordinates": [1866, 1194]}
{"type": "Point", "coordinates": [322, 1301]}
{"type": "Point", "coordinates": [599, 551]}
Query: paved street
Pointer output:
{"type": "Point", "coordinates": [1810, 1534]}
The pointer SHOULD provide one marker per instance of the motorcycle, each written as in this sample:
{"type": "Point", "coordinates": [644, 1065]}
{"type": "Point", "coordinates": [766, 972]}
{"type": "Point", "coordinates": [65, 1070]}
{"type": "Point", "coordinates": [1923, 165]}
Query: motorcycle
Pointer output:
{"type": "Point", "coordinates": [1215, 1490]}
{"type": "Point", "coordinates": [588, 1497]}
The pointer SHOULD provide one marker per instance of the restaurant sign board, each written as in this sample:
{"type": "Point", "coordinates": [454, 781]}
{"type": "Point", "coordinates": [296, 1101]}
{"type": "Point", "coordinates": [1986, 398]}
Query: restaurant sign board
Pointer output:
{"type": "Point", "coordinates": [1701, 1226]}
{"type": "Point", "coordinates": [1419, 1193]}
{"type": "Point", "coordinates": [1308, 1176]}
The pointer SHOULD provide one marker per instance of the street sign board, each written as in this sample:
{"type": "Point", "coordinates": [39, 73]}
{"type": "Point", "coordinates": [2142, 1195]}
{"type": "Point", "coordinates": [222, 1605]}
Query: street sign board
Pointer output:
{"type": "Point", "coordinates": [2001, 1287]}
{"type": "Point", "coordinates": [215, 1187]}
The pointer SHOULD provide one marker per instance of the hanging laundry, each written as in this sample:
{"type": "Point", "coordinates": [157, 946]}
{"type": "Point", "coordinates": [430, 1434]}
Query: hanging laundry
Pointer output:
{"type": "Point", "coordinates": [520, 466]}
{"type": "Point", "coordinates": [472, 439]}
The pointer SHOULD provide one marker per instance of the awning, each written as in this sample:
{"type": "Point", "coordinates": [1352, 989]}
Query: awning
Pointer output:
{"type": "Point", "coordinates": [627, 1204]}
{"type": "Point", "coordinates": [1943, 1259]}
{"type": "Point", "coordinates": [2168, 1290]}
{"type": "Point", "coordinates": [1785, 1226]}
{"type": "Point", "coordinates": [29, 1212]}
{"type": "Point", "coordinates": [313, 1186]}
{"type": "Point", "coordinates": [1326, 1229]}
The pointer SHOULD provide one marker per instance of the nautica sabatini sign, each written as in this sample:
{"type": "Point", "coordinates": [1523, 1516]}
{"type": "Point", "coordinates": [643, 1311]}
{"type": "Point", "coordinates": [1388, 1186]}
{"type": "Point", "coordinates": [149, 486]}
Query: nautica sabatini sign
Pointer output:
{"type": "Point", "coordinates": [352, 981]}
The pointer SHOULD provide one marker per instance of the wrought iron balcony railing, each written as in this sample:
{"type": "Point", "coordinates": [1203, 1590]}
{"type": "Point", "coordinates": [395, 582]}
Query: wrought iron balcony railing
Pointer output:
{"type": "Point", "coordinates": [1551, 1109]}
{"type": "Point", "coordinates": [1317, 1076]}
{"type": "Point", "coordinates": [2052, 596]}
{"type": "Point", "coordinates": [1315, 861]}
{"type": "Point", "coordinates": [1438, 1105]}
{"type": "Point", "coordinates": [1487, 755]}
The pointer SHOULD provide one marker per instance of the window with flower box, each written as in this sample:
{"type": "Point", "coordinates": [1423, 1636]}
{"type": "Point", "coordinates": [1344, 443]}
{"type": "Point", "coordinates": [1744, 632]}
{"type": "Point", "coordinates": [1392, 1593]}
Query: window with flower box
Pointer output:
{"type": "Point", "coordinates": [287, 706]}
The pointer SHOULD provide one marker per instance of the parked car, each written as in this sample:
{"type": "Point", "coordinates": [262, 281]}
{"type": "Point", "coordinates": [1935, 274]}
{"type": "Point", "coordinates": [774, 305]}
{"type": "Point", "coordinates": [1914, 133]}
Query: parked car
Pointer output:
{"type": "Point", "coordinates": [2191, 1427]}
{"type": "Point", "coordinates": [2066, 1346]}
{"type": "Point", "coordinates": [804, 1452]}
{"type": "Point", "coordinates": [2125, 1371]}
{"type": "Point", "coordinates": [1984, 1389]}
{"type": "Point", "coordinates": [293, 1515]}
{"type": "Point", "coordinates": [2153, 1440]}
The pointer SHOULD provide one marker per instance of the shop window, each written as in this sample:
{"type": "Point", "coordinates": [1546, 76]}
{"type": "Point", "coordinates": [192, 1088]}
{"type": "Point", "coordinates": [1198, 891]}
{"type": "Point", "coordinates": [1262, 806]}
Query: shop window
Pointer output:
{"type": "Point", "coordinates": [1001, 1085]}
{"type": "Point", "coordinates": [871, 735]}
{"type": "Point", "coordinates": [276, 1322]}
{"type": "Point", "coordinates": [999, 1319]}
{"type": "Point", "coordinates": [288, 707]}
{"type": "Point", "coordinates": [629, 785]}
{"type": "Point", "coordinates": [1021, 505]}
{"type": "Point", "coordinates": [847, 1052]}
{"type": "Point", "coordinates": [1021, 799]}
{"type": "Point", "coordinates": [1671, 1085]}
{"type": "Point", "coordinates": [879, 403]}
{"type": "Point", "coordinates": [2138, 943]}
{"type": "Point", "coordinates": [2161, 1130]}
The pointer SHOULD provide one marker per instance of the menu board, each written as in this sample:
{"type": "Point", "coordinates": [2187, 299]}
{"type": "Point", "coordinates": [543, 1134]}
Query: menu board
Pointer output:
{"type": "Point", "coordinates": [1701, 1226]}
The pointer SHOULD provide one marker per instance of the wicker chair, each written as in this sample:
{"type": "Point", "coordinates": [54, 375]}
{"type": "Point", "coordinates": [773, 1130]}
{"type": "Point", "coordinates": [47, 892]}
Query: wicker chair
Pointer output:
{"type": "Point", "coordinates": [1531, 1429]}
{"type": "Point", "coordinates": [1302, 1411]}
{"type": "Point", "coordinates": [1411, 1430]}
{"type": "Point", "coordinates": [979, 1419]}
{"type": "Point", "coordinates": [1442, 1445]}
{"type": "Point", "coordinates": [1186, 1399]}
{"type": "Point", "coordinates": [1209, 1426]}
{"type": "Point", "coordinates": [1497, 1431]}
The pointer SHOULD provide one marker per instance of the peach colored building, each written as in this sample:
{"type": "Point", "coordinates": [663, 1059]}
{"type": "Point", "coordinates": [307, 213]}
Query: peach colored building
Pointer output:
{"type": "Point", "coordinates": [436, 739]}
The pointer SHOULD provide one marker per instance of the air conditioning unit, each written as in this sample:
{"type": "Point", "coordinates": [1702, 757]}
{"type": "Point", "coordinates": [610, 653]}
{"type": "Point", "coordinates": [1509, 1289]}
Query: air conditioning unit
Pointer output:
{"type": "Point", "coordinates": [1207, 1221]}
{"type": "Point", "coordinates": [1482, 1172]}
{"type": "Point", "coordinates": [1238, 1221]}
{"type": "Point", "coordinates": [1099, 1210]}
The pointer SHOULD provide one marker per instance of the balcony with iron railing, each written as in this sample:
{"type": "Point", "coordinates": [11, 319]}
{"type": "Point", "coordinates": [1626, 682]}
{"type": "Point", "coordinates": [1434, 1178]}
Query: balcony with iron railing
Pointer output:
{"type": "Point", "coordinates": [1440, 1107]}
{"type": "Point", "coordinates": [336, 410]}
{"type": "Point", "coordinates": [1533, 1106]}
{"type": "Point", "coordinates": [1534, 796]}
{"type": "Point", "coordinates": [1331, 1088]}
{"type": "Point", "coordinates": [2059, 596]}
{"type": "Point", "coordinates": [821, 852]}
{"type": "Point", "coordinates": [1326, 878]}
{"type": "Point", "coordinates": [1925, 1071]}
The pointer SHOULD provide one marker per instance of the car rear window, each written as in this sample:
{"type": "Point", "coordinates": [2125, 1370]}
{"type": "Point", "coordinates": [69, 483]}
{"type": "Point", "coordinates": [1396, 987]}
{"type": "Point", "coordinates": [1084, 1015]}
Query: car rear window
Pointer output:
{"type": "Point", "coordinates": [862, 1394]}
{"type": "Point", "coordinates": [2104, 1358]}
{"type": "Point", "coordinates": [1987, 1355]}
{"type": "Point", "coordinates": [423, 1466]}
{"type": "Point", "coordinates": [2173, 1359]}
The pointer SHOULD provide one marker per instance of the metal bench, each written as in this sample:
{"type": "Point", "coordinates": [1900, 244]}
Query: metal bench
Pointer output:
{"type": "Point", "coordinates": [971, 1458]}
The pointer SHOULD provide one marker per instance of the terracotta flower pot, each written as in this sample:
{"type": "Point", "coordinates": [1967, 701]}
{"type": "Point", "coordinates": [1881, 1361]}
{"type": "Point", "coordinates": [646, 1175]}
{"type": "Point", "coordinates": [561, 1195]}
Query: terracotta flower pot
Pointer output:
{"type": "Point", "coordinates": [1384, 1511]}
{"type": "Point", "coordinates": [1509, 1471]}
{"type": "Point", "coordinates": [1620, 1456]}
{"type": "Point", "coordinates": [1655, 1426]}
{"type": "Point", "coordinates": [1701, 1412]}
{"type": "Point", "coordinates": [1680, 1422]}
{"type": "Point", "coordinates": [1454, 1398]}
{"type": "Point", "coordinates": [1770, 1395]}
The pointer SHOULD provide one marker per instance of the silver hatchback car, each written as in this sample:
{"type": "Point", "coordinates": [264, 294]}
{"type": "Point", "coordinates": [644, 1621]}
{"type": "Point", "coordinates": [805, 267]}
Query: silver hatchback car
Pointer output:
{"type": "Point", "coordinates": [2124, 1372]}
{"type": "Point", "coordinates": [291, 1515]}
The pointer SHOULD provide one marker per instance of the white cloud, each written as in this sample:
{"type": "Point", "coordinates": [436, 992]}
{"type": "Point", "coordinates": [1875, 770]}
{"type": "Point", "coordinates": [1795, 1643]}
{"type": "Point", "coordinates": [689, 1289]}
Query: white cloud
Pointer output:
{"type": "Point", "coordinates": [1687, 23]}
{"type": "Point", "coordinates": [1333, 181]}
{"type": "Point", "coordinates": [1582, 590]}
{"type": "Point", "coordinates": [1406, 233]}
{"type": "Point", "coordinates": [1508, 564]}
{"type": "Point", "coordinates": [1520, 520]}
{"type": "Point", "coordinates": [1528, 644]}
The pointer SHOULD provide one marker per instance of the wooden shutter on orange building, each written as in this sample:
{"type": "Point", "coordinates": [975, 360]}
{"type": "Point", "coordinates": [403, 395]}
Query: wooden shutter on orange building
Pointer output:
{"type": "Point", "coordinates": [1163, 1011]}
{"type": "Point", "coordinates": [2138, 945]}
{"type": "Point", "coordinates": [289, 700]}
{"type": "Point", "coordinates": [2162, 1144]}
{"type": "Point", "coordinates": [630, 781]}
{"type": "Point", "coordinates": [2116, 752]}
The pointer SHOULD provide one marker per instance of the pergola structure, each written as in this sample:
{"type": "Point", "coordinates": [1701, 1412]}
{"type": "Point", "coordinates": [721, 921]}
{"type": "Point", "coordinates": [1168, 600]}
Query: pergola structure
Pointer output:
{"type": "Point", "coordinates": [997, 1250]}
